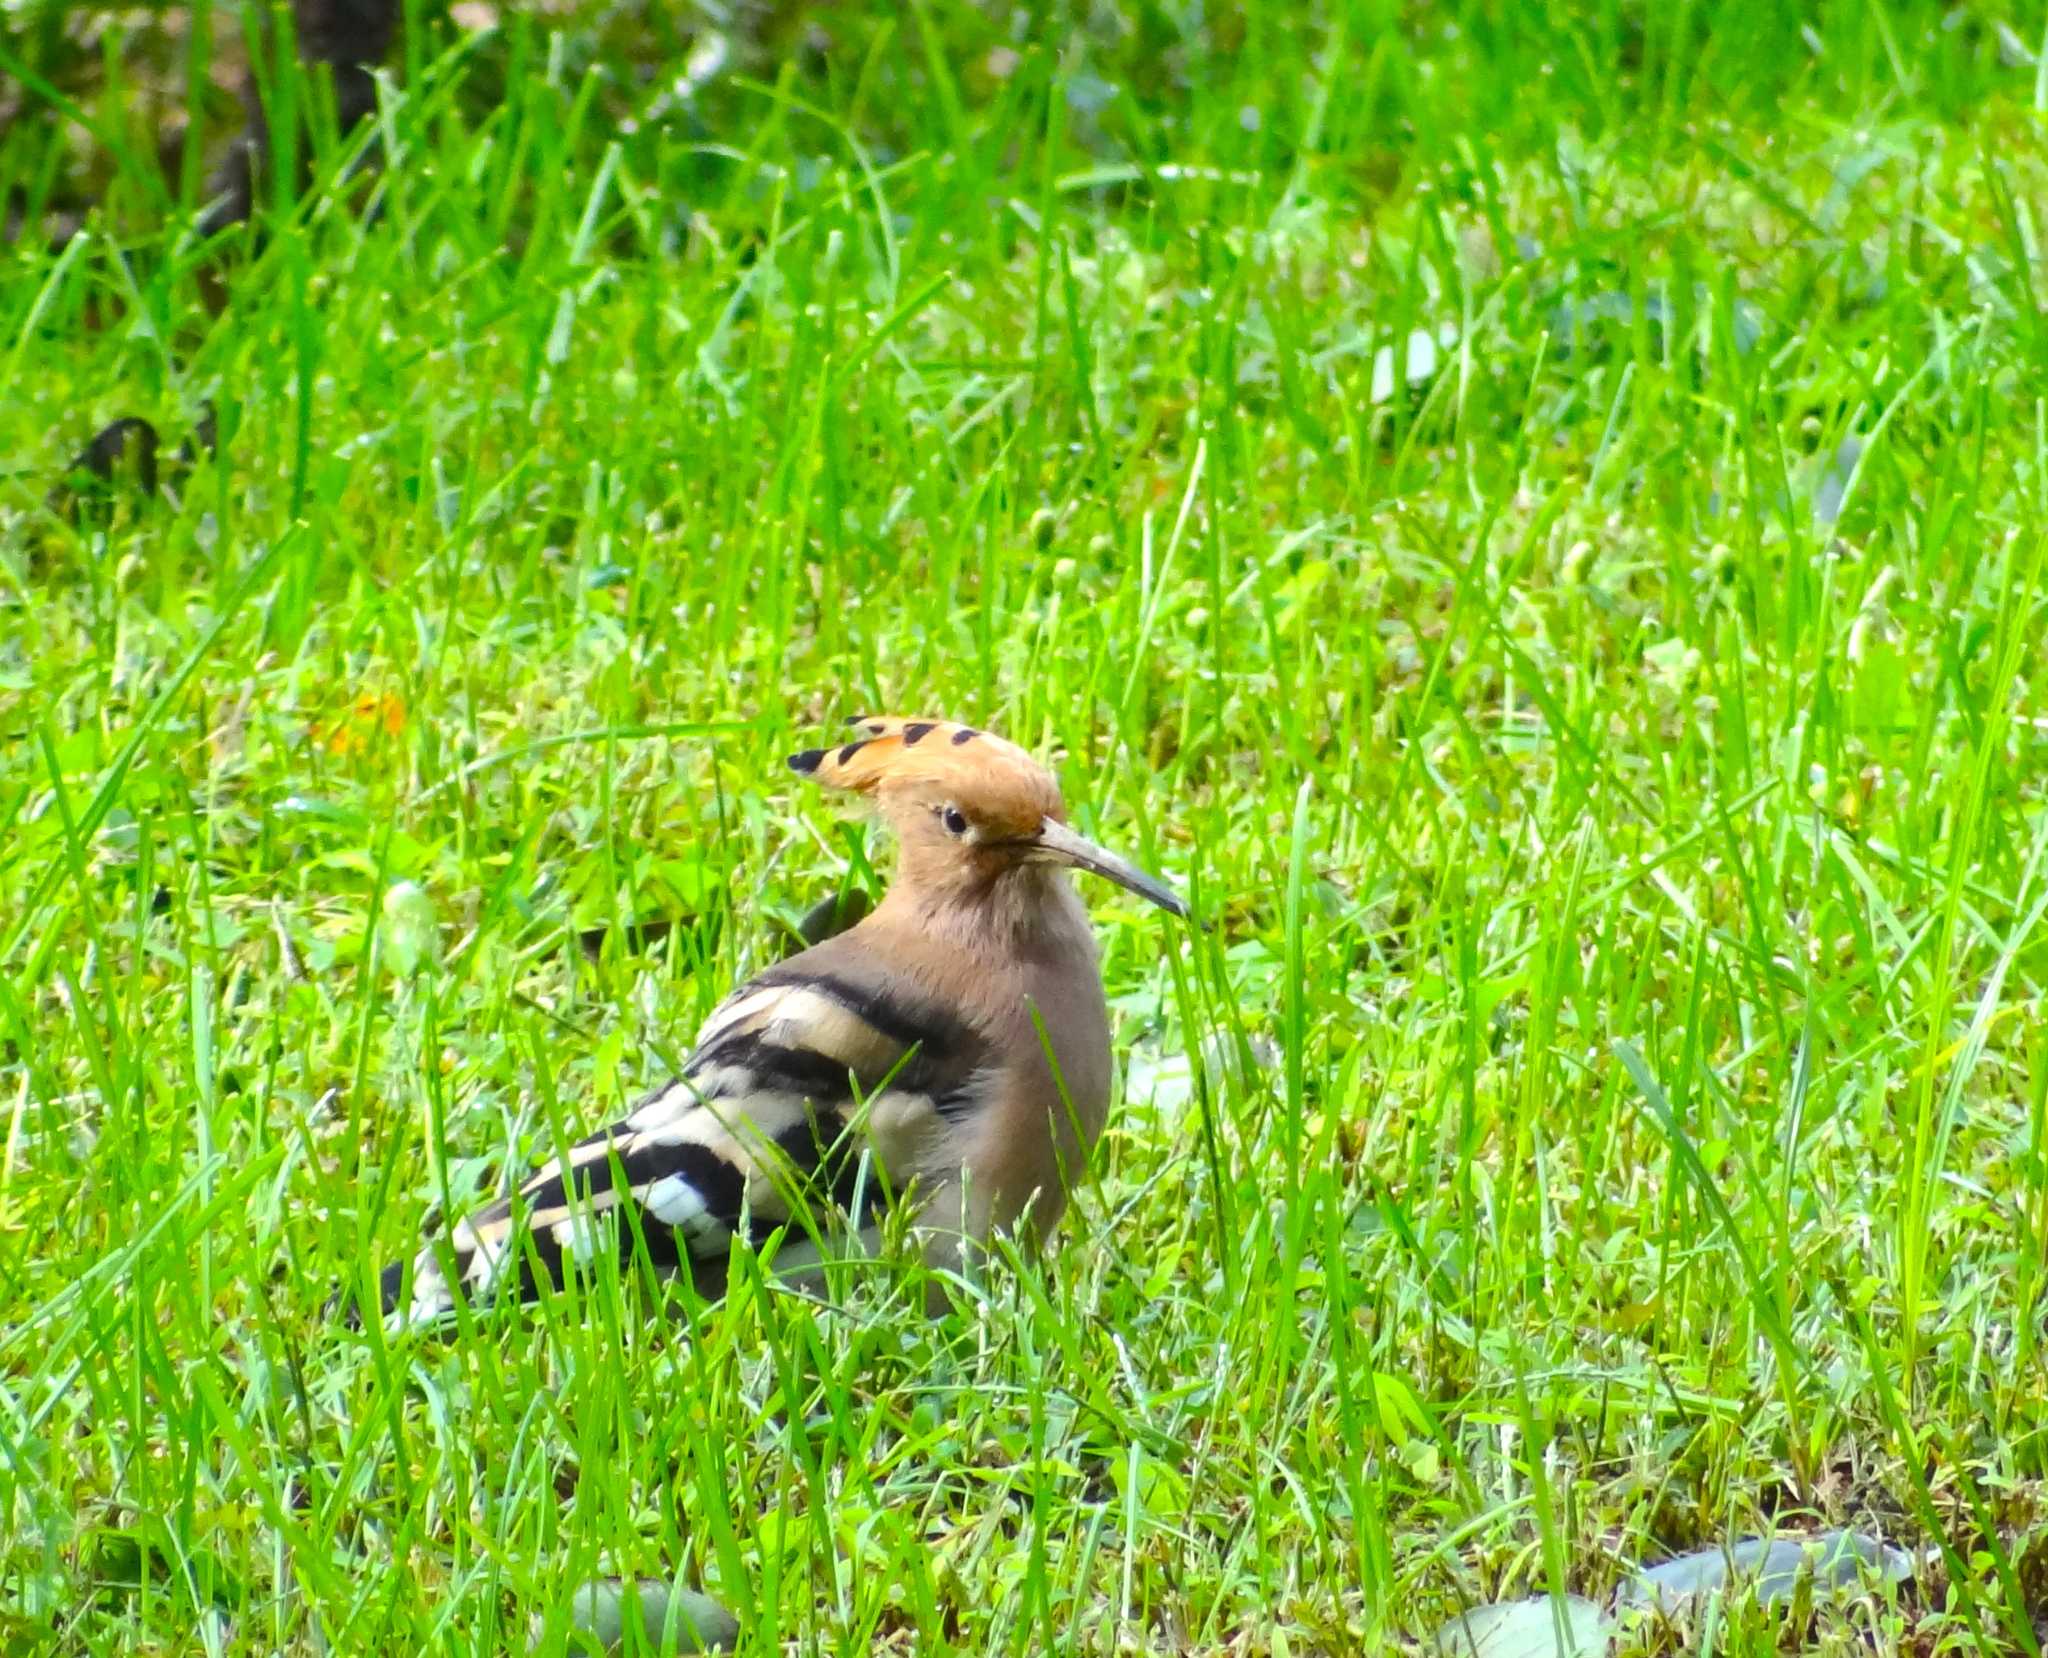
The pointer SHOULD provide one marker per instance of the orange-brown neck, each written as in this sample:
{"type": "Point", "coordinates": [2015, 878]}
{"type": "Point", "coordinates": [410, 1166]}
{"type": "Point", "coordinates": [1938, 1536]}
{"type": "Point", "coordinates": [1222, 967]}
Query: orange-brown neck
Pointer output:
{"type": "Point", "coordinates": [992, 906]}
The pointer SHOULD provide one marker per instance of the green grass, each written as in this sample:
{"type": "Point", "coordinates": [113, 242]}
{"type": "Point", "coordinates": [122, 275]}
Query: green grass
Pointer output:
{"type": "Point", "coordinates": [1610, 1113]}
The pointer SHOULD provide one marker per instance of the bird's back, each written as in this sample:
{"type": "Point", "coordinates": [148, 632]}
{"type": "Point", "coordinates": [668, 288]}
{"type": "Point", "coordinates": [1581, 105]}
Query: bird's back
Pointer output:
{"type": "Point", "coordinates": [890, 1059]}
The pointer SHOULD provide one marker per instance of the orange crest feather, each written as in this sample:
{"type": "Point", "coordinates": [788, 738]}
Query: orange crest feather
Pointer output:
{"type": "Point", "coordinates": [974, 766]}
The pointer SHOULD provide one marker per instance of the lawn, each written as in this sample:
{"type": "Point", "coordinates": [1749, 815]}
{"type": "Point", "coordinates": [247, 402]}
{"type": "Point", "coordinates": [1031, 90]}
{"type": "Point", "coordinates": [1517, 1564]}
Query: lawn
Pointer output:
{"type": "Point", "coordinates": [1535, 522]}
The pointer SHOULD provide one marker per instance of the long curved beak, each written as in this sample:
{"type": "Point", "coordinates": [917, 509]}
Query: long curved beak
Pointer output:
{"type": "Point", "coordinates": [1057, 841]}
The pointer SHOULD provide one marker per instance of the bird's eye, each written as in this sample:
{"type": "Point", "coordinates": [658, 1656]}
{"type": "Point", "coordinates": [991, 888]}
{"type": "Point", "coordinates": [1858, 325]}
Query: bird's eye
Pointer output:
{"type": "Point", "coordinates": [955, 820]}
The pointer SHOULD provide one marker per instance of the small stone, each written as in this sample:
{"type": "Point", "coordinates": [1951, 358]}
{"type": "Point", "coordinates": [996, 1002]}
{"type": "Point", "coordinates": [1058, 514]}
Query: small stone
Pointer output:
{"type": "Point", "coordinates": [1538, 1628]}
{"type": "Point", "coordinates": [1770, 1567]}
{"type": "Point", "coordinates": [599, 1610]}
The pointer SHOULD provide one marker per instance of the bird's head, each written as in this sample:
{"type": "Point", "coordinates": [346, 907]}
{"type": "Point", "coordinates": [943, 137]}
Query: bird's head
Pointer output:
{"type": "Point", "coordinates": [967, 807]}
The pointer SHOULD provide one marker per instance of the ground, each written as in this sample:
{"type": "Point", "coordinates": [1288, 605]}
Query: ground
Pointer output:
{"type": "Point", "coordinates": [1535, 522]}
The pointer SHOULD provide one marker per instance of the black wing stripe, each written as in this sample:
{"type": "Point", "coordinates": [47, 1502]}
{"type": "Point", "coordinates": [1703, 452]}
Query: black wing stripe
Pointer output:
{"type": "Point", "coordinates": [719, 1184]}
{"type": "Point", "coordinates": [827, 1161]}
{"type": "Point", "coordinates": [644, 1164]}
{"type": "Point", "coordinates": [905, 1022]}
{"type": "Point", "coordinates": [751, 1066]}
{"type": "Point", "coordinates": [544, 1191]}
{"type": "Point", "coordinates": [741, 1064]}
{"type": "Point", "coordinates": [538, 1256]}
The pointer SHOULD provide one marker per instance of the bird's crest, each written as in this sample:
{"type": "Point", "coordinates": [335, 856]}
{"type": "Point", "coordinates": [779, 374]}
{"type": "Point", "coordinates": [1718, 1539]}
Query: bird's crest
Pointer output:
{"type": "Point", "coordinates": [887, 753]}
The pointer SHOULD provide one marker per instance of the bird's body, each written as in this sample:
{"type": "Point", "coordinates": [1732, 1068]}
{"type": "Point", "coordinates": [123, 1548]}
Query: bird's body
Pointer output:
{"type": "Point", "coordinates": [951, 1051]}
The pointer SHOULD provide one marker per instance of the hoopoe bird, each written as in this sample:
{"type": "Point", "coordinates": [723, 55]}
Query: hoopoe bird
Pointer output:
{"type": "Point", "coordinates": [950, 1052]}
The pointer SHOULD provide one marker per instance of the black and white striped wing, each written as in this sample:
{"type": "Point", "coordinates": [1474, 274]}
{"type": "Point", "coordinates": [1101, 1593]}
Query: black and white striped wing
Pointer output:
{"type": "Point", "coordinates": [813, 1093]}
